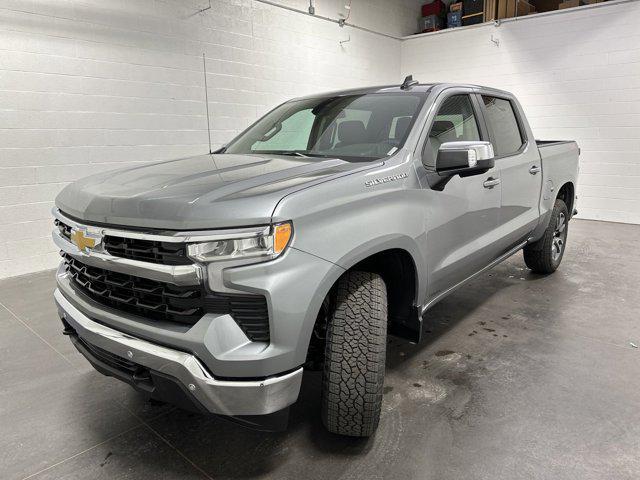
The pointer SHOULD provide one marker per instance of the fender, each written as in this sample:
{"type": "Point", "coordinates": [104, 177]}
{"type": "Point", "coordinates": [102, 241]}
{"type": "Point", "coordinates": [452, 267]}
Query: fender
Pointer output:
{"type": "Point", "coordinates": [407, 324]}
{"type": "Point", "coordinates": [389, 242]}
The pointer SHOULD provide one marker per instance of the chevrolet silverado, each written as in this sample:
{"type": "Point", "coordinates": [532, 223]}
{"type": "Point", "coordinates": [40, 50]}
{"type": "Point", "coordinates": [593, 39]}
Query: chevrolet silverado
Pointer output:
{"type": "Point", "coordinates": [213, 282]}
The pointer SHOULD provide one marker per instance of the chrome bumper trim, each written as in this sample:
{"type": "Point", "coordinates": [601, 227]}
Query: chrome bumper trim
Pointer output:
{"type": "Point", "coordinates": [224, 397]}
{"type": "Point", "coordinates": [176, 274]}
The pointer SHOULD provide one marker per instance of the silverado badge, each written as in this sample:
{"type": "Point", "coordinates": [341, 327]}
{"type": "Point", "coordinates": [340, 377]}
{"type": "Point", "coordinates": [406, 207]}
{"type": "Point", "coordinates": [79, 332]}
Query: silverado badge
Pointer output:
{"type": "Point", "coordinates": [391, 178]}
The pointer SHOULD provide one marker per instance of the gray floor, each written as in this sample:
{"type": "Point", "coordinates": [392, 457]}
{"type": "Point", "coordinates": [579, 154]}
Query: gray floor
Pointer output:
{"type": "Point", "coordinates": [520, 376]}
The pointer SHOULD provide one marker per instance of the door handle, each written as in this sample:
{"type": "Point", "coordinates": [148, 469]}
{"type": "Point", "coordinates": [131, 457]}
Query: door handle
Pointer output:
{"type": "Point", "coordinates": [533, 170]}
{"type": "Point", "coordinates": [491, 182]}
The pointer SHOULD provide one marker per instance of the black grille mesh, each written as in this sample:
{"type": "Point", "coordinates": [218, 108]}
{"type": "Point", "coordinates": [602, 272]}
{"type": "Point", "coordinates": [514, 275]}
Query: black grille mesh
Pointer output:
{"type": "Point", "coordinates": [148, 298]}
{"type": "Point", "coordinates": [249, 311]}
{"type": "Point", "coordinates": [166, 253]}
{"type": "Point", "coordinates": [164, 301]}
{"type": "Point", "coordinates": [111, 359]}
{"type": "Point", "coordinates": [65, 229]}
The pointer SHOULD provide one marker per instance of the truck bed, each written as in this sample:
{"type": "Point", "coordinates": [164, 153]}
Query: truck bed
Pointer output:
{"type": "Point", "coordinates": [559, 159]}
{"type": "Point", "coordinates": [554, 149]}
{"type": "Point", "coordinates": [546, 143]}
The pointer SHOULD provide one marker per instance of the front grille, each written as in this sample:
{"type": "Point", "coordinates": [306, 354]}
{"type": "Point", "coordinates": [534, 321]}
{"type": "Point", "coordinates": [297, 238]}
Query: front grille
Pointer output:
{"type": "Point", "coordinates": [65, 230]}
{"type": "Point", "coordinates": [148, 298]}
{"type": "Point", "coordinates": [165, 301]}
{"type": "Point", "coordinates": [166, 253]}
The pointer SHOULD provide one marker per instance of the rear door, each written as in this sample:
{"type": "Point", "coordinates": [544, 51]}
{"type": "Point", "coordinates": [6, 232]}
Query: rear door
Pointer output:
{"type": "Point", "coordinates": [518, 159]}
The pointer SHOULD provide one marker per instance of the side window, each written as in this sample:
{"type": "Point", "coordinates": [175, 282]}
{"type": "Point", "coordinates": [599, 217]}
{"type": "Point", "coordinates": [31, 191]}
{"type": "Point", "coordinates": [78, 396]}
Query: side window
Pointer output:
{"type": "Point", "coordinates": [502, 121]}
{"type": "Point", "coordinates": [455, 122]}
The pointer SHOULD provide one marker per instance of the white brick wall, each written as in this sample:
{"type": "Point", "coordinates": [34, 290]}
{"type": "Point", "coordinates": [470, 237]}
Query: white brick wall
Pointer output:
{"type": "Point", "coordinates": [92, 85]}
{"type": "Point", "coordinates": [394, 17]}
{"type": "Point", "coordinates": [577, 75]}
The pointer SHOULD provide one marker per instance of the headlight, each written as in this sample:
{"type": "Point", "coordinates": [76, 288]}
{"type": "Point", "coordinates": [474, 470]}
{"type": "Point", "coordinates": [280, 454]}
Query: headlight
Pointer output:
{"type": "Point", "coordinates": [264, 246]}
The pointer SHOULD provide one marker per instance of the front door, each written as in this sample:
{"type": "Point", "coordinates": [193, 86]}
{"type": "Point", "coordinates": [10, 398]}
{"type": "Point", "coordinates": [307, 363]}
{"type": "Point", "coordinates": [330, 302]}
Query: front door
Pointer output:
{"type": "Point", "coordinates": [462, 217]}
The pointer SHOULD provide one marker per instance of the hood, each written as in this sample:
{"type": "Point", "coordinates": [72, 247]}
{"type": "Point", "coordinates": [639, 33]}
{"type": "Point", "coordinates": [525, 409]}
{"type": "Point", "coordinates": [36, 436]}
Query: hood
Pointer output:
{"type": "Point", "coordinates": [202, 192]}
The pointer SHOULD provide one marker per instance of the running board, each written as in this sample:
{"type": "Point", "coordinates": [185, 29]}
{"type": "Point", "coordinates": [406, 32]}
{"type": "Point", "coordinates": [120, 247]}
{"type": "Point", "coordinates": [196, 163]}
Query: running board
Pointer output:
{"type": "Point", "coordinates": [449, 290]}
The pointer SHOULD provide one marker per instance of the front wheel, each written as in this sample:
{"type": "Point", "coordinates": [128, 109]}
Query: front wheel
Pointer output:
{"type": "Point", "coordinates": [355, 356]}
{"type": "Point", "coordinates": [545, 255]}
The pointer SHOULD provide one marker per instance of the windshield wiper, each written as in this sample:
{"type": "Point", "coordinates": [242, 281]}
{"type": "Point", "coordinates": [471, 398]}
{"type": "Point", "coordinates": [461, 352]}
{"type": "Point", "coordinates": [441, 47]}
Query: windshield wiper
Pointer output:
{"type": "Point", "coordinates": [290, 153]}
{"type": "Point", "coordinates": [310, 154]}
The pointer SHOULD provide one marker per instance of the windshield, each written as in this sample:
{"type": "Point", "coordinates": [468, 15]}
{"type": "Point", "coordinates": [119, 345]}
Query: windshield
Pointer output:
{"type": "Point", "coordinates": [350, 127]}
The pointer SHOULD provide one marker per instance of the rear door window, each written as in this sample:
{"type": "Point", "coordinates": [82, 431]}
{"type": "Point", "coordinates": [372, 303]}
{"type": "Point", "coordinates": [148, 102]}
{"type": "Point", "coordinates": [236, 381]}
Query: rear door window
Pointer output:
{"type": "Point", "coordinates": [501, 118]}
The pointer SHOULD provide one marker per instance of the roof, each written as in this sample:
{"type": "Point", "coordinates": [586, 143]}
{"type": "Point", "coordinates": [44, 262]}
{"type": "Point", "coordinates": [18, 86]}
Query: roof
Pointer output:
{"type": "Point", "coordinates": [417, 88]}
{"type": "Point", "coordinates": [420, 88]}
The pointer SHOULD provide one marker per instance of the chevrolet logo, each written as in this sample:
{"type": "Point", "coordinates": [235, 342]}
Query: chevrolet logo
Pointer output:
{"type": "Point", "coordinates": [84, 240]}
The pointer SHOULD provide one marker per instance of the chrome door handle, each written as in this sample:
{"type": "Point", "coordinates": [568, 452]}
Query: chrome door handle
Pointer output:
{"type": "Point", "coordinates": [491, 182]}
{"type": "Point", "coordinates": [533, 170]}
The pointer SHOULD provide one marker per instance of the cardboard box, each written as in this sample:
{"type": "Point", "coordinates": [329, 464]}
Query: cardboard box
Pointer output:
{"type": "Point", "coordinates": [545, 5]}
{"type": "Point", "coordinates": [570, 4]}
{"type": "Point", "coordinates": [490, 10]}
{"type": "Point", "coordinates": [454, 19]}
{"type": "Point", "coordinates": [514, 8]}
{"type": "Point", "coordinates": [455, 7]}
{"type": "Point", "coordinates": [502, 9]}
{"type": "Point", "coordinates": [518, 8]}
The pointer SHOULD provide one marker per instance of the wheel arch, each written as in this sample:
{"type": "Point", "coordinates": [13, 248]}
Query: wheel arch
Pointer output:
{"type": "Point", "coordinates": [398, 262]}
{"type": "Point", "coordinates": [399, 272]}
{"type": "Point", "coordinates": [381, 256]}
{"type": "Point", "coordinates": [567, 193]}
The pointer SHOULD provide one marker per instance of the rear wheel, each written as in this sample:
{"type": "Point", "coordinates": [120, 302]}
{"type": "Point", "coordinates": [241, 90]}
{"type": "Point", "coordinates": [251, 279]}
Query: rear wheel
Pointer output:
{"type": "Point", "coordinates": [355, 356]}
{"type": "Point", "coordinates": [545, 255]}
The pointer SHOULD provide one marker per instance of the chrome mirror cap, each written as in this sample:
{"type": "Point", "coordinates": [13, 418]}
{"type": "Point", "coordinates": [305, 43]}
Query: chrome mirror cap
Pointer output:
{"type": "Point", "coordinates": [476, 150]}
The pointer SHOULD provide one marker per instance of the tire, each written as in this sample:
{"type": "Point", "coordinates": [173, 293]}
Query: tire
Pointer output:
{"type": "Point", "coordinates": [545, 255]}
{"type": "Point", "coordinates": [355, 351]}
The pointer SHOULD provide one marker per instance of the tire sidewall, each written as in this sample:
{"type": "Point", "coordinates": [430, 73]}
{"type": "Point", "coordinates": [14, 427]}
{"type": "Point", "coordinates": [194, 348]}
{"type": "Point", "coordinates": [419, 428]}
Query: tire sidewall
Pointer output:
{"type": "Point", "coordinates": [559, 207]}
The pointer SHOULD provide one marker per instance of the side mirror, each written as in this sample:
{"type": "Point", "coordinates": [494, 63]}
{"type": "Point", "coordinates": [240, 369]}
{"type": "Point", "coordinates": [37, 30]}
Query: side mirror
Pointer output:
{"type": "Point", "coordinates": [464, 158]}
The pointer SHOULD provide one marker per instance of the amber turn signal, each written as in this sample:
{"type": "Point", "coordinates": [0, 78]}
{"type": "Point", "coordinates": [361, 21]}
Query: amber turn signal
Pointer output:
{"type": "Point", "coordinates": [282, 236]}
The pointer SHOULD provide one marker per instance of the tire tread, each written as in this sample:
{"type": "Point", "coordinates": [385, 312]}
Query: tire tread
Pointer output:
{"type": "Point", "coordinates": [355, 353]}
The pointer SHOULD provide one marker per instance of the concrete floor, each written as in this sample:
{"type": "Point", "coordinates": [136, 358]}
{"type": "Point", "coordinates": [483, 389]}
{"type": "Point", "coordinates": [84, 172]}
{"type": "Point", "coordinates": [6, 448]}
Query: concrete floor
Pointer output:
{"type": "Point", "coordinates": [520, 376]}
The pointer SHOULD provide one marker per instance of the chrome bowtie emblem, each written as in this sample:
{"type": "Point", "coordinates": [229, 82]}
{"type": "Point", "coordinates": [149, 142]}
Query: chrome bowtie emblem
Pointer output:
{"type": "Point", "coordinates": [84, 239]}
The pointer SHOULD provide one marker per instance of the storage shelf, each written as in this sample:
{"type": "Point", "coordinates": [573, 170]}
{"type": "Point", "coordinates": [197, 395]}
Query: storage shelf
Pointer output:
{"type": "Point", "coordinates": [522, 18]}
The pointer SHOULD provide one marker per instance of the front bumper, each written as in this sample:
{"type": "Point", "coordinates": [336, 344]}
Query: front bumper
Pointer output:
{"type": "Point", "coordinates": [223, 397]}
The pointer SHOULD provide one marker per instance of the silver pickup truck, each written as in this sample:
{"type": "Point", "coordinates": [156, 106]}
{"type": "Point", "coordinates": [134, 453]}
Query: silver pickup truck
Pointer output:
{"type": "Point", "coordinates": [213, 282]}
